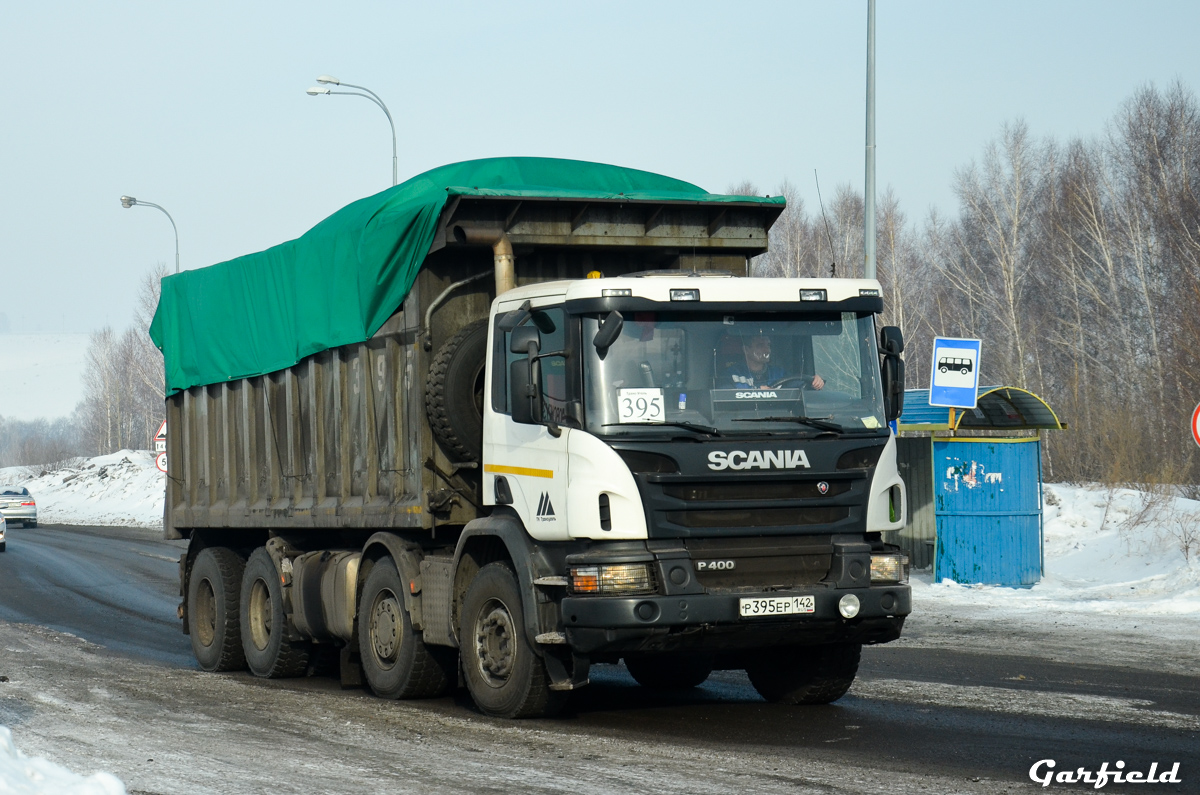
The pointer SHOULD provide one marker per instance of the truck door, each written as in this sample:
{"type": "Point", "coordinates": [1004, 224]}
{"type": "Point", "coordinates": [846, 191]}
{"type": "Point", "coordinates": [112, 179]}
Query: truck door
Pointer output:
{"type": "Point", "coordinates": [529, 458]}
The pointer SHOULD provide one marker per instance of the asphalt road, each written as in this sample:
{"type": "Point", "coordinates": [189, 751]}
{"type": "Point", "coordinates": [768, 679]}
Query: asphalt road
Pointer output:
{"type": "Point", "coordinates": [963, 709]}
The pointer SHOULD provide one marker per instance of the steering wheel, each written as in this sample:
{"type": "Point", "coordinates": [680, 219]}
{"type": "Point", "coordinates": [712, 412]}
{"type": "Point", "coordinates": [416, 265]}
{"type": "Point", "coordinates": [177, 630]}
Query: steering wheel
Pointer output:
{"type": "Point", "coordinates": [804, 381]}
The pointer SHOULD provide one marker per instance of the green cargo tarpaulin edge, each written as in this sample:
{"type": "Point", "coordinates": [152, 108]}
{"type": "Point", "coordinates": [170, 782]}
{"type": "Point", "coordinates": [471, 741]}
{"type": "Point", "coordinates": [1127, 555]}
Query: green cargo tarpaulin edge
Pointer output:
{"type": "Point", "coordinates": [339, 282]}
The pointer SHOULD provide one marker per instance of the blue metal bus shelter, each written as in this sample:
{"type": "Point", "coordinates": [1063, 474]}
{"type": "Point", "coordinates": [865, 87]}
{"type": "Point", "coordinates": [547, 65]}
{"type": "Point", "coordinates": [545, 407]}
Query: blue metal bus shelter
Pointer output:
{"type": "Point", "coordinates": [974, 482]}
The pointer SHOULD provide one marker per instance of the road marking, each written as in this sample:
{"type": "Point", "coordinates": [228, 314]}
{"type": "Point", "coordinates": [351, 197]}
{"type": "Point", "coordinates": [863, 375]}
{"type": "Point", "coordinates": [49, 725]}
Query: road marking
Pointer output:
{"type": "Point", "coordinates": [1049, 704]}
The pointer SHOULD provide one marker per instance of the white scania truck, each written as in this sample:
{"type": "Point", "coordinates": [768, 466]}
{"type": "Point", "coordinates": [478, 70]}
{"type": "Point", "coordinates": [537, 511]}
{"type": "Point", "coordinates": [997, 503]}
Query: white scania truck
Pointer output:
{"type": "Point", "coordinates": [575, 433]}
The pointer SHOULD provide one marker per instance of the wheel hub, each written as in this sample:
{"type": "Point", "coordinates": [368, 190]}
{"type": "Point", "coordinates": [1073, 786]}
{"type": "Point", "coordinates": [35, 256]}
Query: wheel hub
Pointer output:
{"type": "Point", "coordinates": [385, 627]}
{"type": "Point", "coordinates": [495, 644]}
{"type": "Point", "coordinates": [205, 613]}
{"type": "Point", "coordinates": [260, 614]}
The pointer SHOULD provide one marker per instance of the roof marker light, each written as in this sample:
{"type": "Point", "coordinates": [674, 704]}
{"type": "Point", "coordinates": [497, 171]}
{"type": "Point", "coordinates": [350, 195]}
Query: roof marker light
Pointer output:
{"type": "Point", "coordinates": [685, 295]}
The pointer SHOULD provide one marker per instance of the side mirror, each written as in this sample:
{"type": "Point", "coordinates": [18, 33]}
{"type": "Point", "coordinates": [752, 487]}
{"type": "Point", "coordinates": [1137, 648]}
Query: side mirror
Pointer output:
{"type": "Point", "coordinates": [525, 339]}
{"type": "Point", "coordinates": [891, 340]}
{"type": "Point", "coordinates": [525, 397]}
{"type": "Point", "coordinates": [893, 387]}
{"type": "Point", "coordinates": [610, 329]}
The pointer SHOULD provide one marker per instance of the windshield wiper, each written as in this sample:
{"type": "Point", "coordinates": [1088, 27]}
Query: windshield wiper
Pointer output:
{"type": "Point", "coordinates": [691, 426]}
{"type": "Point", "coordinates": [816, 422]}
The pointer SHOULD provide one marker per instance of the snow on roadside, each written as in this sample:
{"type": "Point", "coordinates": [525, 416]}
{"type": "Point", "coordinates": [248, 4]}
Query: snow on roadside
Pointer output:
{"type": "Point", "coordinates": [1115, 555]}
{"type": "Point", "coordinates": [23, 775]}
{"type": "Point", "coordinates": [124, 488]}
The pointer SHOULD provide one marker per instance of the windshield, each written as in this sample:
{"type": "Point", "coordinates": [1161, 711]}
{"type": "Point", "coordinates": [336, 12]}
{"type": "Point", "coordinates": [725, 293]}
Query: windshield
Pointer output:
{"type": "Point", "coordinates": [735, 374]}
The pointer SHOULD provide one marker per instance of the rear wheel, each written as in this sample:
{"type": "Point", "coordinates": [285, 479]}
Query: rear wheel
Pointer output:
{"type": "Point", "coordinates": [669, 671]}
{"type": "Point", "coordinates": [395, 660]}
{"type": "Point", "coordinates": [31, 524]}
{"type": "Point", "coordinates": [214, 588]}
{"type": "Point", "coordinates": [504, 675]}
{"type": "Point", "coordinates": [268, 653]}
{"type": "Point", "coordinates": [810, 675]}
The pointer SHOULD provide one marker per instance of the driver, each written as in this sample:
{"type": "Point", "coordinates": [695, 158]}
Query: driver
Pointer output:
{"type": "Point", "coordinates": [757, 372]}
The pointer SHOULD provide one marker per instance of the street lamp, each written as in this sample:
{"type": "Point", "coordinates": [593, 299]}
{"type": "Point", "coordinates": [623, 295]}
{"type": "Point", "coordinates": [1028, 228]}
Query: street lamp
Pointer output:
{"type": "Point", "coordinates": [129, 201]}
{"type": "Point", "coordinates": [371, 95]}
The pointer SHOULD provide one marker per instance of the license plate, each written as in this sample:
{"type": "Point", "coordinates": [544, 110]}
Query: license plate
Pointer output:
{"type": "Point", "coordinates": [776, 606]}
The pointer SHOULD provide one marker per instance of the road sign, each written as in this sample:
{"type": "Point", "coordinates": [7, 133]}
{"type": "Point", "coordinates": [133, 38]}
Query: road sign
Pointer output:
{"type": "Point", "coordinates": [160, 461]}
{"type": "Point", "coordinates": [161, 436]}
{"type": "Point", "coordinates": [1196, 424]}
{"type": "Point", "coordinates": [955, 373]}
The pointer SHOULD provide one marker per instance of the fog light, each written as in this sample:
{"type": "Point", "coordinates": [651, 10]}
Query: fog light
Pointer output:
{"type": "Point", "coordinates": [848, 606]}
{"type": "Point", "coordinates": [625, 578]}
{"type": "Point", "coordinates": [889, 568]}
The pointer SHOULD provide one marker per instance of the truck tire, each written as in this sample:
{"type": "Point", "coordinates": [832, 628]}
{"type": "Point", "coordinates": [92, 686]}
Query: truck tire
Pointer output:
{"type": "Point", "coordinates": [669, 671]}
{"type": "Point", "coordinates": [264, 627]}
{"type": "Point", "coordinates": [30, 525]}
{"type": "Point", "coordinates": [812, 675]}
{"type": "Point", "coordinates": [504, 675]}
{"type": "Point", "coordinates": [214, 621]}
{"type": "Point", "coordinates": [454, 393]}
{"type": "Point", "coordinates": [395, 660]}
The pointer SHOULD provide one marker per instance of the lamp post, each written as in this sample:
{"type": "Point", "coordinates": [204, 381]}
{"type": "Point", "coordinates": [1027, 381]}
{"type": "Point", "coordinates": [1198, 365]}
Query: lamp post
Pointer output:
{"type": "Point", "coordinates": [129, 201]}
{"type": "Point", "coordinates": [324, 80]}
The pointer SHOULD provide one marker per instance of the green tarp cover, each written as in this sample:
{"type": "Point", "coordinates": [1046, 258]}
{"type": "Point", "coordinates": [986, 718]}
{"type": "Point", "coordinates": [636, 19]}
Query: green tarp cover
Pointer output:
{"type": "Point", "coordinates": [341, 280]}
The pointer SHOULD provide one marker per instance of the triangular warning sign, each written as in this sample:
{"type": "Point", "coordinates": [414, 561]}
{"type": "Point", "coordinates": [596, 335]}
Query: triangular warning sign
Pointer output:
{"type": "Point", "coordinates": [161, 436]}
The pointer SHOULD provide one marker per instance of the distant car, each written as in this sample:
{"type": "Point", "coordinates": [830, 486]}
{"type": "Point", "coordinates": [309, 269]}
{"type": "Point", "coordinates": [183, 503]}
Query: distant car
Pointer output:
{"type": "Point", "coordinates": [18, 505]}
{"type": "Point", "coordinates": [3, 527]}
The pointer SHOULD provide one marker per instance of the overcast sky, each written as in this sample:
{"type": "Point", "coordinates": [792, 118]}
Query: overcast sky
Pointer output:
{"type": "Point", "coordinates": [200, 107]}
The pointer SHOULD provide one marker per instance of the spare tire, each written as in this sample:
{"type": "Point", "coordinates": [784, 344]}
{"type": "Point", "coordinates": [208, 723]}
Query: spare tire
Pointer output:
{"type": "Point", "coordinates": [454, 393]}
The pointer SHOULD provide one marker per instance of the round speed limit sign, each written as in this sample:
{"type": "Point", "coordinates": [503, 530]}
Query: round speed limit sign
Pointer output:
{"type": "Point", "coordinates": [160, 461]}
{"type": "Point", "coordinates": [1196, 425]}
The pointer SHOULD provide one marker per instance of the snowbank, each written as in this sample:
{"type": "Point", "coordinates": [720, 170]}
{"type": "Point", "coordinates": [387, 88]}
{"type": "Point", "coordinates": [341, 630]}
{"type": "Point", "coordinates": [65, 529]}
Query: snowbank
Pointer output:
{"type": "Point", "coordinates": [124, 488]}
{"type": "Point", "coordinates": [22, 775]}
{"type": "Point", "coordinates": [1110, 553]}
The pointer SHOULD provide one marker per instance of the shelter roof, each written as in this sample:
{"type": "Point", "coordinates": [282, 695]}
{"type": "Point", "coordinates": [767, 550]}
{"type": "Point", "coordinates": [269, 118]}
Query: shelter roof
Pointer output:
{"type": "Point", "coordinates": [999, 408]}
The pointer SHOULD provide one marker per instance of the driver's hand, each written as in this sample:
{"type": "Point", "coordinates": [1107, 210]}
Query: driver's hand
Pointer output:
{"type": "Point", "coordinates": [818, 382]}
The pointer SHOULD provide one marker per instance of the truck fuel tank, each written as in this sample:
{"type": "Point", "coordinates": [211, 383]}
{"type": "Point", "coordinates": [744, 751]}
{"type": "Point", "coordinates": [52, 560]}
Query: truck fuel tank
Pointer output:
{"type": "Point", "coordinates": [324, 593]}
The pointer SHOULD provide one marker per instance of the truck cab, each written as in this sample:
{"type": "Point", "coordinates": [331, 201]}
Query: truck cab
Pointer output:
{"type": "Point", "coordinates": [688, 517]}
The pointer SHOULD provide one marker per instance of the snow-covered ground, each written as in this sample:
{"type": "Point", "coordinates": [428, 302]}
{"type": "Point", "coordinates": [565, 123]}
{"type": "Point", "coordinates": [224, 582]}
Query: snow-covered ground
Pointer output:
{"type": "Point", "coordinates": [41, 375]}
{"type": "Point", "coordinates": [124, 488]}
{"type": "Point", "coordinates": [1114, 555]}
{"type": "Point", "coordinates": [23, 775]}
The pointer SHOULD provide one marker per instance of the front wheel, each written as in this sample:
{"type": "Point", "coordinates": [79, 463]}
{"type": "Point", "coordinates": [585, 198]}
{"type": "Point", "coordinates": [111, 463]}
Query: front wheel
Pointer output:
{"type": "Point", "coordinates": [268, 652]}
{"type": "Point", "coordinates": [809, 675]}
{"type": "Point", "coordinates": [395, 659]}
{"type": "Point", "coordinates": [31, 525]}
{"type": "Point", "coordinates": [504, 675]}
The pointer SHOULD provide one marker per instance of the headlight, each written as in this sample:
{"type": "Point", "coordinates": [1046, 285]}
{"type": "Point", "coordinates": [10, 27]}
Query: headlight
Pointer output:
{"type": "Point", "coordinates": [624, 578]}
{"type": "Point", "coordinates": [889, 568]}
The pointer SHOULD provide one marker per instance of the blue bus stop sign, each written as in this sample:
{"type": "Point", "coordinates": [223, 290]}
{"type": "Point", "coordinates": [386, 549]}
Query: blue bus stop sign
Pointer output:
{"type": "Point", "coordinates": [955, 373]}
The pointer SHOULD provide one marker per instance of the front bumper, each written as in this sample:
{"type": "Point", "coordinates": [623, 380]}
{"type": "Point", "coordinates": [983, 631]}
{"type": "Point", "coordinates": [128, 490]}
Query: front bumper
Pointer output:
{"type": "Point", "coordinates": [712, 621]}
